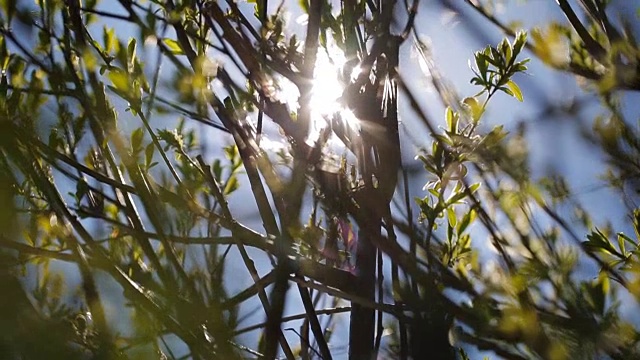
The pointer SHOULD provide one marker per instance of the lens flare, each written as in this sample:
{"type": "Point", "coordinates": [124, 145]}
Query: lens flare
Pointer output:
{"type": "Point", "coordinates": [326, 91]}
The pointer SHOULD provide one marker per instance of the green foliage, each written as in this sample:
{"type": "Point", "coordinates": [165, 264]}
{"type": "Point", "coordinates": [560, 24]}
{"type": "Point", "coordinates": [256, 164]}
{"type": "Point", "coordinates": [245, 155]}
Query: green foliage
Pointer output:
{"type": "Point", "coordinates": [496, 66]}
{"type": "Point", "coordinates": [113, 176]}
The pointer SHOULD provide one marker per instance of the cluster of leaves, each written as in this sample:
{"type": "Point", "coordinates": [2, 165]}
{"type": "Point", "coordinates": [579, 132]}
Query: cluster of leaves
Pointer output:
{"type": "Point", "coordinates": [460, 145]}
{"type": "Point", "coordinates": [536, 294]}
{"type": "Point", "coordinates": [496, 65]}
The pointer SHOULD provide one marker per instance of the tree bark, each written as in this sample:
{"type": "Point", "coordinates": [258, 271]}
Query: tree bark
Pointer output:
{"type": "Point", "coordinates": [361, 330]}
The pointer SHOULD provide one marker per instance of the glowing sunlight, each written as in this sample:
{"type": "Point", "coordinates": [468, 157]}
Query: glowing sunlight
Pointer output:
{"type": "Point", "coordinates": [325, 93]}
{"type": "Point", "coordinates": [327, 88]}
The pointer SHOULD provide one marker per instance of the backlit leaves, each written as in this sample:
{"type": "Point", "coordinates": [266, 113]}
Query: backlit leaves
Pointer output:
{"type": "Point", "coordinates": [159, 225]}
{"type": "Point", "coordinates": [173, 46]}
{"type": "Point", "coordinates": [495, 66]}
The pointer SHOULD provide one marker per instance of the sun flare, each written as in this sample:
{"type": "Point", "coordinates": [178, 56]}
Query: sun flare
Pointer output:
{"type": "Point", "coordinates": [326, 92]}
{"type": "Point", "coordinates": [327, 88]}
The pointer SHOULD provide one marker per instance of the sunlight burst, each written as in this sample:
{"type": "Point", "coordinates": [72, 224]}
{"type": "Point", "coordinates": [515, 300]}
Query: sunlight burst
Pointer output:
{"type": "Point", "coordinates": [327, 88]}
{"type": "Point", "coordinates": [326, 92]}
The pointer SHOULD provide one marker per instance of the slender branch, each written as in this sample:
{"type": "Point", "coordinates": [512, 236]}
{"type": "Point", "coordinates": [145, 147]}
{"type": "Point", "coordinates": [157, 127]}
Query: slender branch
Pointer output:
{"type": "Point", "coordinates": [312, 316]}
{"type": "Point", "coordinates": [285, 319]}
{"type": "Point", "coordinates": [593, 47]}
{"type": "Point", "coordinates": [107, 14]}
{"type": "Point", "coordinates": [249, 264]}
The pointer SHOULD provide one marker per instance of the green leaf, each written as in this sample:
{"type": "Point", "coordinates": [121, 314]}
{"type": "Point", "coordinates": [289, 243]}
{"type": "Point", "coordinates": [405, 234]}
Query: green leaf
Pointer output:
{"type": "Point", "coordinates": [518, 44]}
{"type": "Point", "coordinates": [231, 152]}
{"type": "Point", "coordinates": [9, 7]}
{"type": "Point", "coordinates": [621, 246]}
{"type": "Point", "coordinates": [482, 62]}
{"type": "Point", "coordinates": [216, 169]}
{"type": "Point", "coordinates": [136, 139]}
{"type": "Point", "coordinates": [173, 46]}
{"type": "Point", "coordinates": [474, 187]}
{"type": "Point", "coordinates": [148, 154]}
{"type": "Point", "coordinates": [505, 49]}
{"type": "Point", "coordinates": [120, 80]}
{"type": "Point", "coordinates": [496, 57]}
{"type": "Point", "coordinates": [109, 39]}
{"type": "Point", "coordinates": [4, 54]}
{"type": "Point", "coordinates": [451, 216]}
{"type": "Point", "coordinates": [475, 108]}
{"type": "Point", "coordinates": [515, 90]}
{"type": "Point", "coordinates": [443, 138]}
{"type": "Point", "coordinates": [467, 219]}
{"type": "Point", "coordinates": [463, 245]}
{"type": "Point", "coordinates": [598, 291]}
{"type": "Point", "coordinates": [131, 51]}
{"type": "Point", "coordinates": [455, 197]}
{"type": "Point", "coordinates": [231, 185]}
{"type": "Point", "coordinates": [627, 239]}
{"type": "Point", "coordinates": [452, 120]}
{"type": "Point", "coordinates": [449, 228]}
{"type": "Point", "coordinates": [597, 241]}
{"type": "Point", "coordinates": [172, 138]}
